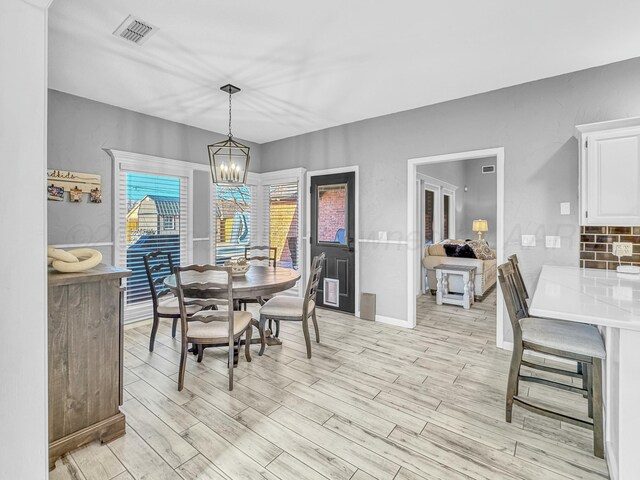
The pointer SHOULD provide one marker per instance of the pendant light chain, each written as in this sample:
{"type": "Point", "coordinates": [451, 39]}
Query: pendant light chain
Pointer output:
{"type": "Point", "coordinates": [230, 134]}
{"type": "Point", "coordinates": [229, 159]}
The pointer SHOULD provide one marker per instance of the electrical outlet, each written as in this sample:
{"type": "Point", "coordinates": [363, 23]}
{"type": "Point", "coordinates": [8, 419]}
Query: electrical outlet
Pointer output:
{"type": "Point", "coordinates": [622, 249]}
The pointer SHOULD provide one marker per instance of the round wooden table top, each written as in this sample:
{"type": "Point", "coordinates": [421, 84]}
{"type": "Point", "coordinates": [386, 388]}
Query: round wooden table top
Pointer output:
{"type": "Point", "coordinates": [257, 282]}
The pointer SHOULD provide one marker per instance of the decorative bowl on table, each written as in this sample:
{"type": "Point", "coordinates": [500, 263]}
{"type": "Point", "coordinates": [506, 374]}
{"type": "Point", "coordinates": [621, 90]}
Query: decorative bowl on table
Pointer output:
{"type": "Point", "coordinates": [239, 266]}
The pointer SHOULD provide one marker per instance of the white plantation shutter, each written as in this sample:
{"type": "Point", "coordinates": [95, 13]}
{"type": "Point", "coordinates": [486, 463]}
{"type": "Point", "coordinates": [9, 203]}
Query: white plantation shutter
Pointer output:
{"type": "Point", "coordinates": [280, 219]}
{"type": "Point", "coordinates": [151, 215]}
{"type": "Point", "coordinates": [235, 222]}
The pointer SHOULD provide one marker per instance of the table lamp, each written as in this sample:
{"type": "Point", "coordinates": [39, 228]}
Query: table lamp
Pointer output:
{"type": "Point", "coordinates": [480, 226]}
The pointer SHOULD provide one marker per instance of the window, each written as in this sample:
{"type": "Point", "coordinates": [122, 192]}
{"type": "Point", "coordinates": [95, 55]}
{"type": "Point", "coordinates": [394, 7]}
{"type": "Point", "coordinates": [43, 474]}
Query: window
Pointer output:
{"type": "Point", "coordinates": [168, 223]}
{"type": "Point", "coordinates": [446, 212]}
{"type": "Point", "coordinates": [234, 217]}
{"type": "Point", "coordinates": [429, 215]}
{"type": "Point", "coordinates": [283, 218]}
{"type": "Point", "coordinates": [152, 215]}
{"type": "Point", "coordinates": [438, 210]}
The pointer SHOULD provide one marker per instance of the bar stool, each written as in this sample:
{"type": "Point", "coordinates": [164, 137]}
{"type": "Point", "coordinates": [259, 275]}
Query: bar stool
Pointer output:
{"type": "Point", "coordinates": [566, 340]}
{"type": "Point", "coordinates": [581, 369]}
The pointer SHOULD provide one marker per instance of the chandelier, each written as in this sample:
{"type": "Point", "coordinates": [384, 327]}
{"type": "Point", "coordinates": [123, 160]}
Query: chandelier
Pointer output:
{"type": "Point", "coordinates": [229, 160]}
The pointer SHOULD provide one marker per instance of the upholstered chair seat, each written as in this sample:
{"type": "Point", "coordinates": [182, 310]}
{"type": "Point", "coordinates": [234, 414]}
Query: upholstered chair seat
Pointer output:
{"type": "Point", "coordinates": [577, 338]}
{"type": "Point", "coordinates": [212, 325]}
{"type": "Point", "coordinates": [170, 306]}
{"type": "Point", "coordinates": [282, 306]}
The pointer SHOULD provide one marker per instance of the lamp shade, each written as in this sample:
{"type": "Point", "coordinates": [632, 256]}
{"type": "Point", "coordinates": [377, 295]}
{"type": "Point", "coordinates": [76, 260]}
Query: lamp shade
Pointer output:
{"type": "Point", "coordinates": [480, 226]}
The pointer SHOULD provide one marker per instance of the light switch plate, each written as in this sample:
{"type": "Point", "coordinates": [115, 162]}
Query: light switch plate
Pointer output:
{"type": "Point", "coordinates": [382, 236]}
{"type": "Point", "coordinates": [552, 241]}
{"type": "Point", "coordinates": [528, 241]}
{"type": "Point", "coordinates": [565, 208]}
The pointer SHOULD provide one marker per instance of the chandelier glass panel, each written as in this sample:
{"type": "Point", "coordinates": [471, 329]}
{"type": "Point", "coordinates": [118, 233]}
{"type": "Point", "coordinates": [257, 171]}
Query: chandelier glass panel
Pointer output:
{"type": "Point", "coordinates": [229, 159]}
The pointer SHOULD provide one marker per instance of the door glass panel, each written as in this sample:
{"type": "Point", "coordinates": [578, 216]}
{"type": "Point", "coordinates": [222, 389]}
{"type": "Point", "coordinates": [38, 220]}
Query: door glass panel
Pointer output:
{"type": "Point", "coordinates": [332, 214]}
{"type": "Point", "coordinates": [429, 217]}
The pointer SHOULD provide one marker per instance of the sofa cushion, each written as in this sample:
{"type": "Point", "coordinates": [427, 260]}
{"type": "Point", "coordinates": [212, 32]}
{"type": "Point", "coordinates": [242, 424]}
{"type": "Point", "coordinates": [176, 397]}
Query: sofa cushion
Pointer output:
{"type": "Point", "coordinates": [436, 250]}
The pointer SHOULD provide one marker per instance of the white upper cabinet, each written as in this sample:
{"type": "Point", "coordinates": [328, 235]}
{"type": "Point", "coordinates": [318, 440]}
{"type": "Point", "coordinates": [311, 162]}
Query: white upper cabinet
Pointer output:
{"type": "Point", "coordinates": [610, 172]}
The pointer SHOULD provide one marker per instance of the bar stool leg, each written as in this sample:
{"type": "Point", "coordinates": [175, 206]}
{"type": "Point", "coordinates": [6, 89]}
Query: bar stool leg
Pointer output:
{"type": "Point", "coordinates": [512, 383]}
{"type": "Point", "coordinates": [598, 424]}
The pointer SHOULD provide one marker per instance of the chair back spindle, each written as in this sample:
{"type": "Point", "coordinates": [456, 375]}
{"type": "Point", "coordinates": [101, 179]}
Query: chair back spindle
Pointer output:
{"type": "Point", "coordinates": [314, 280]}
{"type": "Point", "coordinates": [513, 260]}
{"type": "Point", "coordinates": [513, 299]}
{"type": "Point", "coordinates": [258, 254]}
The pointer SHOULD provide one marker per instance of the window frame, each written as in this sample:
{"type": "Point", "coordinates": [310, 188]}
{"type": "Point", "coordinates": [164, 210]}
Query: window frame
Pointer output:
{"type": "Point", "coordinates": [286, 176]}
{"type": "Point", "coordinates": [128, 162]}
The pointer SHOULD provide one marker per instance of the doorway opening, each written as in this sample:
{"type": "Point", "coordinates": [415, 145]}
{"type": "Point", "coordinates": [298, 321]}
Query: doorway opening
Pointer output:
{"type": "Point", "coordinates": [444, 207]}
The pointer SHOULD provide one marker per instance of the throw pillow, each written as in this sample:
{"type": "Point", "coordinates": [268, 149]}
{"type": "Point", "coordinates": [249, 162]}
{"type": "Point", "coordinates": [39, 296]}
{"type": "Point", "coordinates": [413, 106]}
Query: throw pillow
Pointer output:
{"type": "Point", "coordinates": [451, 249]}
{"type": "Point", "coordinates": [481, 249]}
{"type": "Point", "coordinates": [465, 251]}
{"type": "Point", "coordinates": [460, 251]}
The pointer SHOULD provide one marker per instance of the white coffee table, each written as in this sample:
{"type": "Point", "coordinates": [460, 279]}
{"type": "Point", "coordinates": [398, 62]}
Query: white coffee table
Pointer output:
{"type": "Point", "coordinates": [468, 274]}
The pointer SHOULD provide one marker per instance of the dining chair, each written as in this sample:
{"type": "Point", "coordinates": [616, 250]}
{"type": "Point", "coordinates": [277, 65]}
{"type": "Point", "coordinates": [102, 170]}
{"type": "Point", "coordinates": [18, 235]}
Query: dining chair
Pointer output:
{"type": "Point", "coordinates": [158, 265]}
{"type": "Point", "coordinates": [259, 255]}
{"type": "Point", "coordinates": [211, 327]}
{"type": "Point", "coordinates": [284, 308]}
{"type": "Point", "coordinates": [566, 340]}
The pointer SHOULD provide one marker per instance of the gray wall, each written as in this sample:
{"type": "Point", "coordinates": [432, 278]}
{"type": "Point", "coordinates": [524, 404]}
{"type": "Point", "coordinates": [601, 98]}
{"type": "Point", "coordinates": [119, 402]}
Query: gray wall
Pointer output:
{"type": "Point", "coordinates": [79, 129]}
{"type": "Point", "coordinates": [480, 199]}
{"type": "Point", "coordinates": [534, 122]}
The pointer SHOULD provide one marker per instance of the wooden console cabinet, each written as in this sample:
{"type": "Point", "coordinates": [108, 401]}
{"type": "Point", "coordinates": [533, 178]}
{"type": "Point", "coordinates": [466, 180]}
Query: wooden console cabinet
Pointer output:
{"type": "Point", "coordinates": [85, 358]}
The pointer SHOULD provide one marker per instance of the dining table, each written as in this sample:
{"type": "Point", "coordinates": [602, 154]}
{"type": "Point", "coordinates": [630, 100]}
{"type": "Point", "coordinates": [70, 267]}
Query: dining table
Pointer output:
{"type": "Point", "coordinates": [258, 282]}
{"type": "Point", "coordinates": [611, 301]}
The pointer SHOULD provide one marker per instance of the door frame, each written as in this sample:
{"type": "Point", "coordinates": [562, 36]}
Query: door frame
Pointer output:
{"type": "Point", "coordinates": [356, 240]}
{"type": "Point", "coordinates": [413, 245]}
{"type": "Point", "coordinates": [440, 189]}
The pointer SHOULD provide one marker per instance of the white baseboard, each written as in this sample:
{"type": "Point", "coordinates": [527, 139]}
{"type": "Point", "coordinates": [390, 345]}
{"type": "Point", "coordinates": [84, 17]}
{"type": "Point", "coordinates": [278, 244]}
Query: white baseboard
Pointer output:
{"type": "Point", "coordinates": [392, 321]}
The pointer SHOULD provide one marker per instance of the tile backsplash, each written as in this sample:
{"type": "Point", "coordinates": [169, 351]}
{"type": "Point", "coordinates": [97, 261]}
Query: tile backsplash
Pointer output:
{"type": "Point", "coordinates": [596, 246]}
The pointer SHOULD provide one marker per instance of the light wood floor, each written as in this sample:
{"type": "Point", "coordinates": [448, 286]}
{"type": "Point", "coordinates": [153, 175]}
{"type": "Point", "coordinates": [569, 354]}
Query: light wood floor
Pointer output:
{"type": "Point", "coordinates": [374, 402]}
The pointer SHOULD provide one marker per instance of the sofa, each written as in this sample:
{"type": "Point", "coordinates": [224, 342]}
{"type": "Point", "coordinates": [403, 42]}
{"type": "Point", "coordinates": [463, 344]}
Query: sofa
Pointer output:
{"type": "Point", "coordinates": [435, 255]}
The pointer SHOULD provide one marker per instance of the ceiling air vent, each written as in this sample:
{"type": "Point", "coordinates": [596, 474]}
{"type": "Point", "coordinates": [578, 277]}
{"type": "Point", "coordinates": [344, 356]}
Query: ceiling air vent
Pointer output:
{"type": "Point", "coordinates": [488, 169]}
{"type": "Point", "coordinates": [135, 30]}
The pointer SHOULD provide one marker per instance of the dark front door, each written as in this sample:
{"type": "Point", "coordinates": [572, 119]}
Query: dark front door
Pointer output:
{"type": "Point", "coordinates": [333, 232]}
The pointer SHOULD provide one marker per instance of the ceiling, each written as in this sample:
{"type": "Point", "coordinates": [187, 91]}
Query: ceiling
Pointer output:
{"type": "Point", "coordinates": [307, 65]}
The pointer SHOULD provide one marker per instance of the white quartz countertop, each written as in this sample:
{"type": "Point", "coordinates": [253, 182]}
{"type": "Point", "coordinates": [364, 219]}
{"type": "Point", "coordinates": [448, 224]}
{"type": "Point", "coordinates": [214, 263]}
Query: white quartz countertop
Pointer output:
{"type": "Point", "coordinates": [587, 295]}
